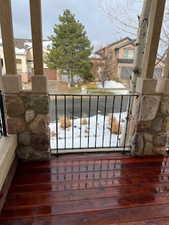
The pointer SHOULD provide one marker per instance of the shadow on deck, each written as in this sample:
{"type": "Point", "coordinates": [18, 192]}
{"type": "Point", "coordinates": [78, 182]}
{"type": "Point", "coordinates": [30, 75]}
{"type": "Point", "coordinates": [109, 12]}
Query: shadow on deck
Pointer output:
{"type": "Point", "coordinates": [90, 189]}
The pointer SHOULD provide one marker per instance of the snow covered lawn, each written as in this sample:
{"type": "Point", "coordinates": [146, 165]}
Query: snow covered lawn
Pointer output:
{"type": "Point", "coordinates": [95, 136]}
{"type": "Point", "coordinates": [111, 84]}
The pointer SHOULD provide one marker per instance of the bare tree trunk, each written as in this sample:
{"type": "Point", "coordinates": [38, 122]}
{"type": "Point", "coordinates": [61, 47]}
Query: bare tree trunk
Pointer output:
{"type": "Point", "coordinates": [71, 80]}
{"type": "Point", "coordinates": [138, 63]}
{"type": "Point", "coordinates": [140, 42]}
{"type": "Point", "coordinates": [1, 85]}
{"type": "Point", "coordinates": [166, 68]}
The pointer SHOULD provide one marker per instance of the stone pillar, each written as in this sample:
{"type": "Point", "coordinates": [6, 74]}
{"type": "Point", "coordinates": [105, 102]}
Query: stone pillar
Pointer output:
{"type": "Point", "coordinates": [151, 125]}
{"type": "Point", "coordinates": [27, 112]}
{"type": "Point", "coordinates": [27, 116]}
{"type": "Point", "coordinates": [148, 130]}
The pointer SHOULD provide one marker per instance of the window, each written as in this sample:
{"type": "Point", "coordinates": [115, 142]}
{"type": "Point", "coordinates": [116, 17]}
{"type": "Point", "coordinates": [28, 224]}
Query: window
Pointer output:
{"type": "Point", "coordinates": [18, 61]}
{"type": "Point", "coordinates": [29, 61]}
{"type": "Point", "coordinates": [126, 72]}
{"type": "Point", "coordinates": [19, 65]}
{"type": "Point", "coordinates": [158, 72]}
{"type": "Point", "coordinates": [109, 53]}
{"type": "Point", "coordinates": [128, 53]}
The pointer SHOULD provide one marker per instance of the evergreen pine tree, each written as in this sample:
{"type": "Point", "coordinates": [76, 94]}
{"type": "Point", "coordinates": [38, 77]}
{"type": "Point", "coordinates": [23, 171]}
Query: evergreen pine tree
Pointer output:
{"type": "Point", "coordinates": [70, 49]}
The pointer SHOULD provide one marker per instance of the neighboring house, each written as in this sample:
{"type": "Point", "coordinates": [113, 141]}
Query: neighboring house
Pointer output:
{"type": "Point", "coordinates": [51, 73]}
{"type": "Point", "coordinates": [21, 58]}
{"type": "Point", "coordinates": [24, 59]}
{"type": "Point", "coordinates": [118, 59]}
{"type": "Point", "coordinates": [115, 61]}
{"type": "Point", "coordinates": [97, 65]}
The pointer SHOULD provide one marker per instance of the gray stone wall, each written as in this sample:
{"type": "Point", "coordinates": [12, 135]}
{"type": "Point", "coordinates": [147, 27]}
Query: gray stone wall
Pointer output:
{"type": "Point", "coordinates": [151, 125]}
{"type": "Point", "coordinates": [27, 116]}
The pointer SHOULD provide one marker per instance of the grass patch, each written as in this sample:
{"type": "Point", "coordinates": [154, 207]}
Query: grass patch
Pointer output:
{"type": "Point", "coordinates": [91, 85]}
{"type": "Point", "coordinates": [100, 92]}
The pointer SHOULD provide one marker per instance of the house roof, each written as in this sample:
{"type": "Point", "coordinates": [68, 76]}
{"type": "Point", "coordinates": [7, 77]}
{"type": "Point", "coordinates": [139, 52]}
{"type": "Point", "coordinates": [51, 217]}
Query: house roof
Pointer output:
{"type": "Point", "coordinates": [131, 42]}
{"type": "Point", "coordinates": [20, 42]}
{"type": "Point", "coordinates": [19, 49]}
{"type": "Point", "coordinates": [114, 43]}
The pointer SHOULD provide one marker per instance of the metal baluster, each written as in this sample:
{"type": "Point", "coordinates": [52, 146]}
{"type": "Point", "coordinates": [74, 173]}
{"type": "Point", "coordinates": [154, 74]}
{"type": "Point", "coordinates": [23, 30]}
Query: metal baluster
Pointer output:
{"type": "Point", "coordinates": [72, 122]}
{"type": "Point", "coordinates": [112, 121]}
{"type": "Point", "coordinates": [121, 105]}
{"type": "Point", "coordinates": [56, 117]}
{"type": "Point", "coordinates": [81, 122]}
{"type": "Point", "coordinates": [97, 108]}
{"type": "Point", "coordinates": [65, 118]}
{"type": "Point", "coordinates": [89, 121]}
{"type": "Point", "coordinates": [105, 107]}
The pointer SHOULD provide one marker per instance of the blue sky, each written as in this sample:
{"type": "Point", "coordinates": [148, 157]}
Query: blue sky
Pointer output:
{"type": "Point", "coordinates": [89, 12]}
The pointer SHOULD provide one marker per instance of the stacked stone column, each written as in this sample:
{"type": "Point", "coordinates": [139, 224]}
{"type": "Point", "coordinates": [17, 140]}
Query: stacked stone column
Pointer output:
{"type": "Point", "coordinates": [150, 122]}
{"type": "Point", "coordinates": [28, 117]}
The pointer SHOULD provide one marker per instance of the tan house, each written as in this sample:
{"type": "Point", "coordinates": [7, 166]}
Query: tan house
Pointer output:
{"type": "Point", "coordinates": [21, 58]}
{"type": "Point", "coordinates": [24, 59]}
{"type": "Point", "coordinates": [118, 59]}
{"type": "Point", "coordinates": [51, 73]}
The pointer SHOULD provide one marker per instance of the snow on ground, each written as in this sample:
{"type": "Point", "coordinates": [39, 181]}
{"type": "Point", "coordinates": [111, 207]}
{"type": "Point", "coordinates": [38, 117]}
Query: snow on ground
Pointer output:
{"type": "Point", "coordinates": [114, 85]}
{"type": "Point", "coordinates": [121, 92]}
{"type": "Point", "coordinates": [96, 136]}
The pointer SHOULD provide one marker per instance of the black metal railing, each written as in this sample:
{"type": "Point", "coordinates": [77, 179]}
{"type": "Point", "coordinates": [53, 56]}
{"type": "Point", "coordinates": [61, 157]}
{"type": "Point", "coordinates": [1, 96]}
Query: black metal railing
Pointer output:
{"type": "Point", "coordinates": [90, 122]}
{"type": "Point", "coordinates": [3, 130]}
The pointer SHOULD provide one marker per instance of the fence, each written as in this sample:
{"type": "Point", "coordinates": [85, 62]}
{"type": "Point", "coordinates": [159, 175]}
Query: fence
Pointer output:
{"type": "Point", "coordinates": [90, 122]}
{"type": "Point", "coordinates": [3, 131]}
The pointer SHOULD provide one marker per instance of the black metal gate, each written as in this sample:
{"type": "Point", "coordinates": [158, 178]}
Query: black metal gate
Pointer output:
{"type": "Point", "coordinates": [90, 122]}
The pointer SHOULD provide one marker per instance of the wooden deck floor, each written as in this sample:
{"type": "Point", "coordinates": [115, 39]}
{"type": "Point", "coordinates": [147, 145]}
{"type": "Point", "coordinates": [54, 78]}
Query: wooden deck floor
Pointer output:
{"type": "Point", "coordinates": [100, 189]}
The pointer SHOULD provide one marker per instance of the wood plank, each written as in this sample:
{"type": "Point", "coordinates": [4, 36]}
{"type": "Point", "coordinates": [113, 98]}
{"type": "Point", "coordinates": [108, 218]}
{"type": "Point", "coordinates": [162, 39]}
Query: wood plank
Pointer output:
{"type": "Point", "coordinates": [89, 184]}
{"type": "Point", "coordinates": [32, 199]}
{"type": "Point", "coordinates": [156, 175]}
{"type": "Point", "coordinates": [56, 220]}
{"type": "Point", "coordinates": [56, 192]}
{"type": "Point", "coordinates": [81, 219]}
{"type": "Point", "coordinates": [132, 213]}
{"type": "Point", "coordinates": [7, 183]}
{"type": "Point", "coordinates": [88, 159]}
{"type": "Point", "coordinates": [95, 168]}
